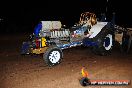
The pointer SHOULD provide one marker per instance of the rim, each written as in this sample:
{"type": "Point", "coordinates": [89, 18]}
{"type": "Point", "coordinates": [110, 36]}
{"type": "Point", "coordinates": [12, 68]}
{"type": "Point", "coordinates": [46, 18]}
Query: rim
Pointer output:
{"type": "Point", "coordinates": [108, 42]}
{"type": "Point", "coordinates": [54, 56]}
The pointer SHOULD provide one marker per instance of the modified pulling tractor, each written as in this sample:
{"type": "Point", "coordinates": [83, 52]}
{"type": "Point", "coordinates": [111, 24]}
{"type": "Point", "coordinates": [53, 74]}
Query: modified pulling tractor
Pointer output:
{"type": "Point", "coordinates": [50, 38]}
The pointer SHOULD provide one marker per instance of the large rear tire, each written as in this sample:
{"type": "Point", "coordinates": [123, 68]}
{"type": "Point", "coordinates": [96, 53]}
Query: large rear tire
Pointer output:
{"type": "Point", "coordinates": [105, 45]}
{"type": "Point", "coordinates": [53, 56]}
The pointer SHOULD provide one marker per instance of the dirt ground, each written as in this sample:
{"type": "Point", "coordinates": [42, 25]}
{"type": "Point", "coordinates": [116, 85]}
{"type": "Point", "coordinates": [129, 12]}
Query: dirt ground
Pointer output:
{"type": "Point", "coordinates": [18, 71]}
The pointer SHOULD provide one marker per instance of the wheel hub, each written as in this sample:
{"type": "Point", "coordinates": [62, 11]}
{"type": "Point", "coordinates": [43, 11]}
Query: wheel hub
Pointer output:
{"type": "Point", "coordinates": [54, 56]}
{"type": "Point", "coordinates": [108, 42]}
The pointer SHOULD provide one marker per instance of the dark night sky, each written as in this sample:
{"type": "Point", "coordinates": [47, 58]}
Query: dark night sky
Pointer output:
{"type": "Point", "coordinates": [28, 14]}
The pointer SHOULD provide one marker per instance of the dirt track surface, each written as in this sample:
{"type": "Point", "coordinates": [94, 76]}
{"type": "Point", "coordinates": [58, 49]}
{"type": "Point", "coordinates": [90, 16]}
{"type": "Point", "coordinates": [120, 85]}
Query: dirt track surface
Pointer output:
{"type": "Point", "coordinates": [18, 71]}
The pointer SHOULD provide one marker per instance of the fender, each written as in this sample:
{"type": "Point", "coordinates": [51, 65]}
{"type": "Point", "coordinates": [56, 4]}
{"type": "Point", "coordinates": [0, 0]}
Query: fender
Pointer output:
{"type": "Point", "coordinates": [96, 29]}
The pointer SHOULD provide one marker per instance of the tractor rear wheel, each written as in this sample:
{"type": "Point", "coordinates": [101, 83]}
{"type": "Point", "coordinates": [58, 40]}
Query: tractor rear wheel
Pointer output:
{"type": "Point", "coordinates": [105, 45]}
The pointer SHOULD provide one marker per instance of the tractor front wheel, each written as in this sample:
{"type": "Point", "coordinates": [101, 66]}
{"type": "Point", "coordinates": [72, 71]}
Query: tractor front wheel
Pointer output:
{"type": "Point", "coordinates": [53, 56]}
